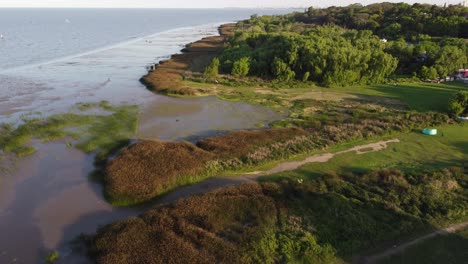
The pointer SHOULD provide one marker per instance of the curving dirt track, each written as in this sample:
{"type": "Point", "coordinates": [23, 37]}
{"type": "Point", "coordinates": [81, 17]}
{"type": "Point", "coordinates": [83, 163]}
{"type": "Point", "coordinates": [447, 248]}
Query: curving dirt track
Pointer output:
{"type": "Point", "coordinates": [219, 182]}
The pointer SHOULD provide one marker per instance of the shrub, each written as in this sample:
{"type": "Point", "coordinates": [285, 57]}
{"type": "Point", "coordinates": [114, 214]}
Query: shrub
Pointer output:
{"type": "Point", "coordinates": [306, 76]}
{"type": "Point", "coordinates": [240, 143]}
{"type": "Point", "coordinates": [52, 257]}
{"type": "Point", "coordinates": [429, 73]}
{"type": "Point", "coordinates": [212, 70]}
{"type": "Point", "coordinates": [458, 105]}
{"type": "Point", "coordinates": [282, 71]}
{"type": "Point", "coordinates": [288, 222]}
{"type": "Point", "coordinates": [241, 67]}
{"type": "Point", "coordinates": [149, 168]}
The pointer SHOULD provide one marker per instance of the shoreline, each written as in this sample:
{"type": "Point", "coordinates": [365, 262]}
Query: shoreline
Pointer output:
{"type": "Point", "coordinates": [130, 40]}
{"type": "Point", "coordinates": [167, 75]}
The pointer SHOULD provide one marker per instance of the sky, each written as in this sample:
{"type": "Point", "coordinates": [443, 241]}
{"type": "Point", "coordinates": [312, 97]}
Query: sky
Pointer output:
{"type": "Point", "coordinates": [196, 3]}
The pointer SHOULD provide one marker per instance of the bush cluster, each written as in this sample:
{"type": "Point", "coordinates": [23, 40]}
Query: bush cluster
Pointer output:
{"type": "Point", "coordinates": [458, 106]}
{"type": "Point", "coordinates": [314, 221]}
{"type": "Point", "coordinates": [150, 168]}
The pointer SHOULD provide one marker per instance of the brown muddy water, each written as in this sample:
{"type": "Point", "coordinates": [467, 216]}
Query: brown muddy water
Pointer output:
{"type": "Point", "coordinates": [47, 200]}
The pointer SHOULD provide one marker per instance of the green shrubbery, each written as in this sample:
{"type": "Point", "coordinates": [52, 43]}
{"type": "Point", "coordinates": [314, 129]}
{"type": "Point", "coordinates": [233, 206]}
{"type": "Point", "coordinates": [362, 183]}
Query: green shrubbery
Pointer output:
{"type": "Point", "coordinates": [212, 70]}
{"type": "Point", "coordinates": [319, 220]}
{"type": "Point", "coordinates": [425, 39]}
{"type": "Point", "coordinates": [458, 106]}
{"type": "Point", "coordinates": [429, 73]}
{"type": "Point", "coordinates": [52, 257]}
{"type": "Point", "coordinates": [241, 67]}
{"type": "Point", "coordinates": [328, 55]}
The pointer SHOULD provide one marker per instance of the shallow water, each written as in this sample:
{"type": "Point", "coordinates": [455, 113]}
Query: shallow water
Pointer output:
{"type": "Point", "coordinates": [47, 200]}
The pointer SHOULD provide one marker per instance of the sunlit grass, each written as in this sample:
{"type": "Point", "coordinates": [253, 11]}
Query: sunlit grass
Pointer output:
{"type": "Point", "coordinates": [415, 151]}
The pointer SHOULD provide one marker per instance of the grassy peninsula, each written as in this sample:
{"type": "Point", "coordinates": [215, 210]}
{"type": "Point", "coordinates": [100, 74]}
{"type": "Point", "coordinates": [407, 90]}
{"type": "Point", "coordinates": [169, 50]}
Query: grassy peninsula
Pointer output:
{"type": "Point", "coordinates": [346, 76]}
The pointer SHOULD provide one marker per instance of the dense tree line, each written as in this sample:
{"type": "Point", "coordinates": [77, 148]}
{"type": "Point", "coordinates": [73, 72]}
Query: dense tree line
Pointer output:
{"type": "Point", "coordinates": [329, 55]}
{"type": "Point", "coordinates": [394, 20]}
{"type": "Point", "coordinates": [351, 45]}
{"type": "Point", "coordinates": [429, 58]}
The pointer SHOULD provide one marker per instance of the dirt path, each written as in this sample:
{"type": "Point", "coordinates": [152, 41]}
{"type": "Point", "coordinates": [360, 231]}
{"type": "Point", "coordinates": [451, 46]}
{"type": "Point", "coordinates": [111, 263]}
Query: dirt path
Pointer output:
{"type": "Point", "coordinates": [219, 182]}
{"type": "Point", "coordinates": [398, 249]}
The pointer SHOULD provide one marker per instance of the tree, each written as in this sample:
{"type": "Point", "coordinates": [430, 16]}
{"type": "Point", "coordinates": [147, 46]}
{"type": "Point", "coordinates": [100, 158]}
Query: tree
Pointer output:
{"type": "Point", "coordinates": [212, 70]}
{"type": "Point", "coordinates": [458, 105]}
{"type": "Point", "coordinates": [450, 59]}
{"type": "Point", "coordinates": [241, 67]}
{"type": "Point", "coordinates": [306, 76]}
{"type": "Point", "coordinates": [282, 71]}
{"type": "Point", "coordinates": [392, 31]}
{"type": "Point", "coordinates": [428, 73]}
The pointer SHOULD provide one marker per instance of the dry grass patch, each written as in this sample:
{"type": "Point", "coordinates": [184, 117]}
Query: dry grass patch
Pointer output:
{"type": "Point", "coordinates": [149, 168]}
{"type": "Point", "coordinates": [200, 229]}
{"type": "Point", "coordinates": [321, 219]}
{"type": "Point", "coordinates": [240, 143]}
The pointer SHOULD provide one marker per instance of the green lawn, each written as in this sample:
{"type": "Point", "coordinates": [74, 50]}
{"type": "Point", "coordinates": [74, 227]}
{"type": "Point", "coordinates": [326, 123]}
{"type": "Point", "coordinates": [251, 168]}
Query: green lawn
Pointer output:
{"type": "Point", "coordinates": [449, 148]}
{"type": "Point", "coordinates": [450, 249]}
{"type": "Point", "coordinates": [418, 96]}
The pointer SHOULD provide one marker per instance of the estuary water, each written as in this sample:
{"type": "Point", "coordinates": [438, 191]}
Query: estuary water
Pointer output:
{"type": "Point", "coordinates": [51, 59]}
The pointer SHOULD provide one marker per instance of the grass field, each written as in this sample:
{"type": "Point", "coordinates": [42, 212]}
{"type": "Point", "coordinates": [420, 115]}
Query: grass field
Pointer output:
{"type": "Point", "coordinates": [415, 151]}
{"type": "Point", "coordinates": [449, 248]}
{"type": "Point", "coordinates": [417, 96]}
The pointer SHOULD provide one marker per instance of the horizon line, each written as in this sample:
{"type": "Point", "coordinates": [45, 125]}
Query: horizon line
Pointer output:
{"type": "Point", "coordinates": [139, 7]}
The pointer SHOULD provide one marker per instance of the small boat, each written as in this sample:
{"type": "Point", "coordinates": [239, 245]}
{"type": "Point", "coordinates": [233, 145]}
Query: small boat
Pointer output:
{"type": "Point", "coordinates": [429, 131]}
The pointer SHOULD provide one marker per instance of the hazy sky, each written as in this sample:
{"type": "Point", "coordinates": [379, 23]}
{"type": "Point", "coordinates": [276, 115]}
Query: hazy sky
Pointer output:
{"type": "Point", "coordinates": [192, 4]}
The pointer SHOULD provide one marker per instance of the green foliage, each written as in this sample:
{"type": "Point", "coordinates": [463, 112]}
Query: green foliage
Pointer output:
{"type": "Point", "coordinates": [306, 76]}
{"type": "Point", "coordinates": [93, 132]}
{"type": "Point", "coordinates": [329, 55]}
{"type": "Point", "coordinates": [318, 220]}
{"type": "Point", "coordinates": [212, 70]}
{"type": "Point", "coordinates": [393, 20]}
{"type": "Point", "coordinates": [458, 105]}
{"type": "Point", "coordinates": [52, 257]}
{"type": "Point", "coordinates": [419, 35]}
{"type": "Point", "coordinates": [429, 73]}
{"type": "Point", "coordinates": [282, 71]}
{"type": "Point", "coordinates": [451, 59]}
{"type": "Point", "coordinates": [241, 67]}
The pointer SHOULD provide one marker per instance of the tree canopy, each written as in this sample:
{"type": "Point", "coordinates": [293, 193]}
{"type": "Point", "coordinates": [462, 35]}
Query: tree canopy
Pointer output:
{"type": "Point", "coordinates": [352, 45]}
